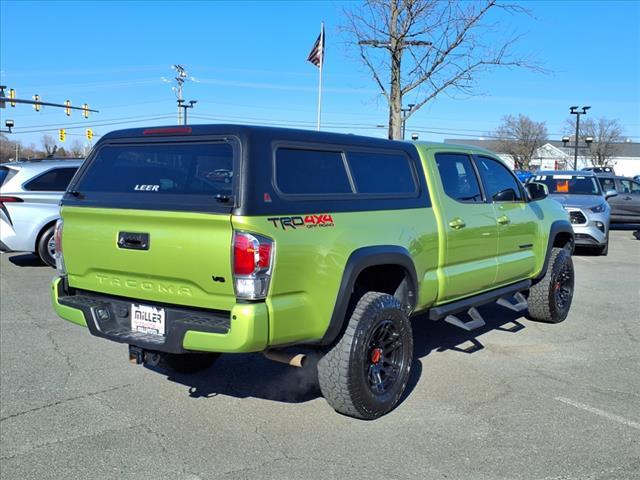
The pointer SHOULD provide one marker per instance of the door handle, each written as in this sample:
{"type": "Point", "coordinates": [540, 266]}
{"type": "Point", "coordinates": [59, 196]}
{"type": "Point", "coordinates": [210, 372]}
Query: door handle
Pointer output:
{"type": "Point", "coordinates": [504, 220]}
{"type": "Point", "coordinates": [133, 241]}
{"type": "Point", "coordinates": [457, 223]}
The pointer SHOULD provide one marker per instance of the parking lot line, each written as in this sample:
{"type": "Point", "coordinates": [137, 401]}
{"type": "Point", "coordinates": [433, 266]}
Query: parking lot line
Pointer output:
{"type": "Point", "coordinates": [597, 411]}
{"type": "Point", "coordinates": [588, 260]}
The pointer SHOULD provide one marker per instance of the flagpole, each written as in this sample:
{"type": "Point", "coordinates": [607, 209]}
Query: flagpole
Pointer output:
{"type": "Point", "coordinates": [320, 74]}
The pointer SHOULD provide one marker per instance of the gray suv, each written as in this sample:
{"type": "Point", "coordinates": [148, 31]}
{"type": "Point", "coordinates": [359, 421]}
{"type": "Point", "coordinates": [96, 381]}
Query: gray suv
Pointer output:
{"type": "Point", "coordinates": [580, 194]}
{"type": "Point", "coordinates": [29, 196]}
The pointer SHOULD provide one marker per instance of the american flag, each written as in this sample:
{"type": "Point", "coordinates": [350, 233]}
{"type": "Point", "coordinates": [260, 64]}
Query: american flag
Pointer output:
{"type": "Point", "coordinates": [317, 52]}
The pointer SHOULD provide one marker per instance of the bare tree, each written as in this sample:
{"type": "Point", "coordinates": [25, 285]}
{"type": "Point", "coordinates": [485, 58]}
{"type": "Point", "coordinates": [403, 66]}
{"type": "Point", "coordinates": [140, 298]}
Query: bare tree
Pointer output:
{"type": "Point", "coordinates": [7, 149]}
{"type": "Point", "coordinates": [424, 48]}
{"type": "Point", "coordinates": [520, 137]}
{"type": "Point", "coordinates": [49, 145]}
{"type": "Point", "coordinates": [77, 149]}
{"type": "Point", "coordinates": [606, 135]}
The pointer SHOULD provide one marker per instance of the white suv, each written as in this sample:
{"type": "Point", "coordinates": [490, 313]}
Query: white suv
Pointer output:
{"type": "Point", "coordinates": [29, 196]}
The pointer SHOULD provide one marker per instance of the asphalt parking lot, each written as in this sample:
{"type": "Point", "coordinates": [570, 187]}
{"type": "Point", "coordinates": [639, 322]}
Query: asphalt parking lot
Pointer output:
{"type": "Point", "coordinates": [516, 400]}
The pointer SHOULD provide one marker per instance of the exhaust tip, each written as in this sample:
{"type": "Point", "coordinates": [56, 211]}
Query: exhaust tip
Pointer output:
{"type": "Point", "coordinates": [293, 359]}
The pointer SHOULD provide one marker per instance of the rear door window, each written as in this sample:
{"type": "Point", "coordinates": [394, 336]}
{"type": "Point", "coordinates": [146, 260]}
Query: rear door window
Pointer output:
{"type": "Point", "coordinates": [55, 180]}
{"type": "Point", "coordinates": [168, 176]}
{"type": "Point", "coordinates": [311, 172]}
{"type": "Point", "coordinates": [382, 173]}
{"type": "Point", "coordinates": [458, 177]}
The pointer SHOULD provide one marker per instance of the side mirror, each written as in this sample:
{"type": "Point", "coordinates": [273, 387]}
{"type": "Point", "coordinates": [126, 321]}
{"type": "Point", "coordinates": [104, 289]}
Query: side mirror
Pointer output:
{"type": "Point", "coordinates": [537, 191]}
{"type": "Point", "coordinates": [610, 193]}
{"type": "Point", "coordinates": [507, 195]}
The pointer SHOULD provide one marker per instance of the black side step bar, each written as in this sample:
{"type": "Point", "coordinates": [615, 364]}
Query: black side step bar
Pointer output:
{"type": "Point", "coordinates": [443, 311]}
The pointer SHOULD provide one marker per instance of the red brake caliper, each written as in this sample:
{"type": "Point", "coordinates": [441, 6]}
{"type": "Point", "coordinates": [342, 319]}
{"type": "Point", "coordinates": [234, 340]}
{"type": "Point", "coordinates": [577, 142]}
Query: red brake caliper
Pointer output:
{"type": "Point", "coordinates": [375, 355]}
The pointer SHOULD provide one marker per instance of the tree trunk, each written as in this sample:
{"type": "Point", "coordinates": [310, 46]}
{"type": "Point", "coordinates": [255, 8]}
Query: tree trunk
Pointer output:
{"type": "Point", "coordinates": [395, 95]}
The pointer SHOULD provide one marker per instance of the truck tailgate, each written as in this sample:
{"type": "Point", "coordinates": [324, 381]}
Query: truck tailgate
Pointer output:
{"type": "Point", "coordinates": [186, 259]}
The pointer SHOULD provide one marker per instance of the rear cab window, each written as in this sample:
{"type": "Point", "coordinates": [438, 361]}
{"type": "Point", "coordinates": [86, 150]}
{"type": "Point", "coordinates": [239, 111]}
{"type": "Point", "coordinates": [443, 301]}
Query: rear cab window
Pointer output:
{"type": "Point", "coordinates": [191, 176]}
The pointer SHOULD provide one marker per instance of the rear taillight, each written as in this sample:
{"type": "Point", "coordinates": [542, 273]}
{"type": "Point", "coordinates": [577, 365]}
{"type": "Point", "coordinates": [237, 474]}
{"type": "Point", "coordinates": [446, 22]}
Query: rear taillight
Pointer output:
{"type": "Point", "coordinates": [57, 238]}
{"type": "Point", "coordinates": [10, 200]}
{"type": "Point", "coordinates": [252, 261]}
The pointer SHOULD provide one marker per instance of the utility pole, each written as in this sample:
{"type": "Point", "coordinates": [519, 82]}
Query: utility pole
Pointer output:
{"type": "Point", "coordinates": [181, 77]}
{"type": "Point", "coordinates": [574, 111]}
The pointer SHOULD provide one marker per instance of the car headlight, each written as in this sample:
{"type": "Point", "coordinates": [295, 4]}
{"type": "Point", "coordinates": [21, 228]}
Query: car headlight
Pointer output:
{"type": "Point", "coordinates": [599, 208]}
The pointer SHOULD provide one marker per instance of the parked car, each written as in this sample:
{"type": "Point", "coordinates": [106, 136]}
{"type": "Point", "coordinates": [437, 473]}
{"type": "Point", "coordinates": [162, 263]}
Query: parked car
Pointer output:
{"type": "Point", "coordinates": [579, 192]}
{"type": "Point", "coordinates": [625, 207]}
{"type": "Point", "coordinates": [600, 170]}
{"type": "Point", "coordinates": [332, 244]}
{"type": "Point", "coordinates": [30, 192]}
{"type": "Point", "coordinates": [523, 175]}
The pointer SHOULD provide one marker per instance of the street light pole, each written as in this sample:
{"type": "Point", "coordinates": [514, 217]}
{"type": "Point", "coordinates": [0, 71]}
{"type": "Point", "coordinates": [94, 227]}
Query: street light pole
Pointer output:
{"type": "Point", "coordinates": [181, 104]}
{"type": "Point", "coordinates": [574, 111]}
{"type": "Point", "coordinates": [405, 113]}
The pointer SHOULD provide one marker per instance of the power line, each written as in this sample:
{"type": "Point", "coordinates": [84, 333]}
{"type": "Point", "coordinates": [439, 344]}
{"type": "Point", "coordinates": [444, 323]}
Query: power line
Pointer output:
{"type": "Point", "coordinates": [101, 124]}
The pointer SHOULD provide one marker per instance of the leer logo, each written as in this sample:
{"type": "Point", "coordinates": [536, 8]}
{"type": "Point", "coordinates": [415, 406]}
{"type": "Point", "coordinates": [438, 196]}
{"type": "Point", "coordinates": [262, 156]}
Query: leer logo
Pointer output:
{"type": "Point", "coordinates": [308, 221]}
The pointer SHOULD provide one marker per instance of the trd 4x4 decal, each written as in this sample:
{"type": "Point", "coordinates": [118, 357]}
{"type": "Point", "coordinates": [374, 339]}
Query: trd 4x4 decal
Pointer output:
{"type": "Point", "coordinates": [308, 221]}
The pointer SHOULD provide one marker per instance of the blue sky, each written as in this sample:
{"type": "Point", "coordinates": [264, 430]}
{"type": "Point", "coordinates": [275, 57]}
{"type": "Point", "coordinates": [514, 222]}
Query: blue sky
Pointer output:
{"type": "Point", "coordinates": [250, 60]}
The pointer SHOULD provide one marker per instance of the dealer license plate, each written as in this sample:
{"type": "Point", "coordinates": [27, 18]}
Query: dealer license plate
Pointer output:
{"type": "Point", "coordinates": [147, 319]}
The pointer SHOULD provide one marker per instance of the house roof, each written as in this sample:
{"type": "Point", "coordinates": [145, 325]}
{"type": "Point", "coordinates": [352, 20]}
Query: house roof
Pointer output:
{"type": "Point", "coordinates": [625, 149]}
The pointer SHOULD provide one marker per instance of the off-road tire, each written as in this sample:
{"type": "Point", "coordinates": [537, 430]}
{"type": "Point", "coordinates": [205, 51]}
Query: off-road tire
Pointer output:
{"type": "Point", "coordinates": [188, 362]}
{"type": "Point", "coordinates": [545, 303]}
{"type": "Point", "coordinates": [43, 247]}
{"type": "Point", "coordinates": [345, 373]}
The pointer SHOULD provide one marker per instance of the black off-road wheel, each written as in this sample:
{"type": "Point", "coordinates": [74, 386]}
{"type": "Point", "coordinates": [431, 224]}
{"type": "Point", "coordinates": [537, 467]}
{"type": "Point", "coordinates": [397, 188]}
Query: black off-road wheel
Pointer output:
{"type": "Point", "coordinates": [188, 362]}
{"type": "Point", "coordinates": [366, 372]}
{"type": "Point", "coordinates": [550, 298]}
{"type": "Point", "coordinates": [46, 247]}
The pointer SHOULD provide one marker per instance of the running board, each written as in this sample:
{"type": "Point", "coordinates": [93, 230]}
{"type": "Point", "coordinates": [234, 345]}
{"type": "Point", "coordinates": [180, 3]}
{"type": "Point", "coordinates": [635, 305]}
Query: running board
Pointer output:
{"type": "Point", "coordinates": [520, 305]}
{"type": "Point", "coordinates": [442, 311]}
{"type": "Point", "coordinates": [476, 320]}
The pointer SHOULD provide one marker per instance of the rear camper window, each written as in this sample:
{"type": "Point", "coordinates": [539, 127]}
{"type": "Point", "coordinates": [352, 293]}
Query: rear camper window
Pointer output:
{"type": "Point", "coordinates": [311, 172]}
{"type": "Point", "coordinates": [178, 176]}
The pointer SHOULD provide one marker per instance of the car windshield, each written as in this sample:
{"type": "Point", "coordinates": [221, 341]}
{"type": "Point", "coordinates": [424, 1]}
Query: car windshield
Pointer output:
{"type": "Point", "coordinates": [569, 184]}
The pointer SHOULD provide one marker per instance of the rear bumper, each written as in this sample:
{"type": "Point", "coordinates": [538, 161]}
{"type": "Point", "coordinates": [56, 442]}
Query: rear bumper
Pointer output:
{"type": "Point", "coordinates": [243, 329]}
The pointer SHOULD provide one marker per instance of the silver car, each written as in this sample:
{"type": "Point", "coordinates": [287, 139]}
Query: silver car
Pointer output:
{"type": "Point", "coordinates": [29, 196]}
{"type": "Point", "coordinates": [580, 194]}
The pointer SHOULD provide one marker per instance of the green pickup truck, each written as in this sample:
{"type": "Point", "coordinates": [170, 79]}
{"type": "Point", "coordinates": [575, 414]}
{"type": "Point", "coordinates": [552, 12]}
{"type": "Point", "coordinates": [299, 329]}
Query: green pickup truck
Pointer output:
{"type": "Point", "coordinates": [189, 242]}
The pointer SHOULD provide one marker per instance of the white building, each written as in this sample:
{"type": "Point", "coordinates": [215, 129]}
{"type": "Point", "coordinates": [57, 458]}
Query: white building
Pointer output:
{"type": "Point", "coordinates": [555, 156]}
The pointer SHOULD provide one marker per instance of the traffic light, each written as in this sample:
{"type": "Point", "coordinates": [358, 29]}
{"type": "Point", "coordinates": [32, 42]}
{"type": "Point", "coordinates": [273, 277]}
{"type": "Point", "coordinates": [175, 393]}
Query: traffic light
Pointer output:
{"type": "Point", "coordinates": [12, 94]}
{"type": "Point", "coordinates": [89, 134]}
{"type": "Point", "coordinates": [85, 110]}
{"type": "Point", "coordinates": [67, 108]}
{"type": "Point", "coordinates": [62, 134]}
{"type": "Point", "coordinates": [36, 106]}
